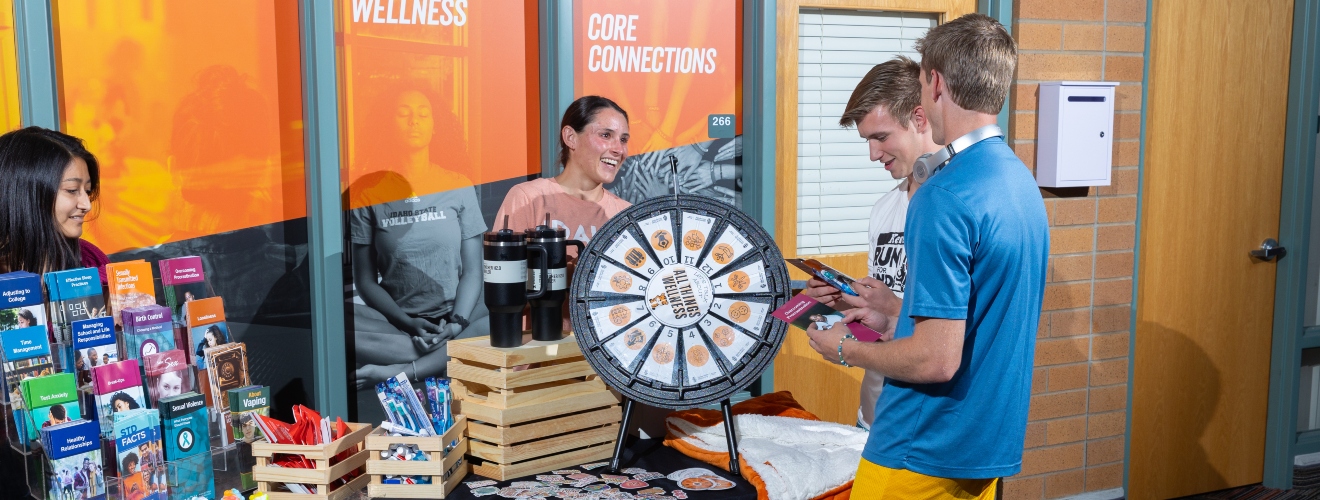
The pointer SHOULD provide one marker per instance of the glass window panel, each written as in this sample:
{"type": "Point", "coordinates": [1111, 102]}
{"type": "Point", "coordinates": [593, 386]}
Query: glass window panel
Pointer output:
{"type": "Point", "coordinates": [194, 110]}
{"type": "Point", "coordinates": [439, 118]}
{"type": "Point", "coordinates": [1308, 387]}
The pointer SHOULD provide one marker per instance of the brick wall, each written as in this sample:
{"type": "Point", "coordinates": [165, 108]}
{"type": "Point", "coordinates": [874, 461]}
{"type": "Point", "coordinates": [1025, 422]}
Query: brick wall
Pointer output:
{"type": "Point", "coordinates": [1075, 434]}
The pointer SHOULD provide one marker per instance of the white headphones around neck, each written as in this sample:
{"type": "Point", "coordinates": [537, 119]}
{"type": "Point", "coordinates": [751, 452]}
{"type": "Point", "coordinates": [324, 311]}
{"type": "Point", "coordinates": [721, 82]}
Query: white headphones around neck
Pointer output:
{"type": "Point", "coordinates": [929, 164]}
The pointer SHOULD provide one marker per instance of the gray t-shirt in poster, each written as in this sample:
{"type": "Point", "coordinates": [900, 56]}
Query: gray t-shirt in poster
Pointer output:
{"type": "Point", "coordinates": [417, 246]}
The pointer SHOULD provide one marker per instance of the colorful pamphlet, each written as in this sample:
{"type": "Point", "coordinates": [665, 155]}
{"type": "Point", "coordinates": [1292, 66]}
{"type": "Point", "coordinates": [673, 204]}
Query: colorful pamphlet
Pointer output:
{"type": "Point", "coordinates": [21, 301]}
{"type": "Point", "coordinates": [206, 327]}
{"type": "Point", "coordinates": [168, 375]}
{"type": "Point", "coordinates": [183, 280]}
{"type": "Point", "coordinates": [228, 366]}
{"type": "Point", "coordinates": [147, 330]}
{"type": "Point", "coordinates": [802, 311]}
{"type": "Point", "coordinates": [139, 455]}
{"type": "Point", "coordinates": [73, 454]}
{"type": "Point", "coordinates": [245, 403]}
{"type": "Point", "coordinates": [118, 388]}
{"type": "Point", "coordinates": [26, 355]}
{"type": "Point", "coordinates": [94, 344]}
{"type": "Point", "coordinates": [187, 445]}
{"type": "Point", "coordinates": [49, 400]}
{"type": "Point", "coordinates": [132, 285]}
{"type": "Point", "coordinates": [75, 295]}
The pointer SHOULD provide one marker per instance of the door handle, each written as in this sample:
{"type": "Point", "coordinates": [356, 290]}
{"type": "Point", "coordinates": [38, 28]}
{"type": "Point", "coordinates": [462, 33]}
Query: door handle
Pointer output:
{"type": "Point", "coordinates": [1269, 250]}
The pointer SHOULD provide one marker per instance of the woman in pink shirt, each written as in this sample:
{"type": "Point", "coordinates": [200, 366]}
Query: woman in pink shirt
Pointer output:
{"type": "Point", "coordinates": [593, 144]}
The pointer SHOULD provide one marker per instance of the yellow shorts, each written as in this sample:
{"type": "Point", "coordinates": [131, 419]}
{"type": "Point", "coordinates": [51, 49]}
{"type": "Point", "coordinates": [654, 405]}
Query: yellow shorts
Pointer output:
{"type": "Point", "coordinates": [875, 482]}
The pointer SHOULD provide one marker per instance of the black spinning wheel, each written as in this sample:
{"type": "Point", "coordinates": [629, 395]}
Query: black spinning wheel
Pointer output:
{"type": "Point", "coordinates": [671, 303]}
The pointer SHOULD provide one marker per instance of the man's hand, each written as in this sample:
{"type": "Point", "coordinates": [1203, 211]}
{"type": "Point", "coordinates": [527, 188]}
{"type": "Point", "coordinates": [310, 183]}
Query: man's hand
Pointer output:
{"type": "Point", "coordinates": [872, 293]}
{"type": "Point", "coordinates": [824, 292]}
{"type": "Point", "coordinates": [826, 342]}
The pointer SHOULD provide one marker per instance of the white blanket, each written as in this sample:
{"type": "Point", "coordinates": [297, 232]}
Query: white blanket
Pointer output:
{"type": "Point", "coordinates": [797, 459]}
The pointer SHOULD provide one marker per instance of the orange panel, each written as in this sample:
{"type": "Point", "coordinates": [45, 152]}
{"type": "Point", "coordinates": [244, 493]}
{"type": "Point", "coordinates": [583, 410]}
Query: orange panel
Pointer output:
{"type": "Point", "coordinates": [467, 62]}
{"type": "Point", "coordinates": [194, 110]}
{"type": "Point", "coordinates": [668, 75]}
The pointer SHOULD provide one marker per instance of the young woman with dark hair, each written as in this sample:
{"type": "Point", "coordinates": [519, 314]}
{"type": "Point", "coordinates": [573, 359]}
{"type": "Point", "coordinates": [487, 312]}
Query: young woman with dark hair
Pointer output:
{"type": "Point", "coordinates": [48, 182]}
{"type": "Point", "coordinates": [593, 143]}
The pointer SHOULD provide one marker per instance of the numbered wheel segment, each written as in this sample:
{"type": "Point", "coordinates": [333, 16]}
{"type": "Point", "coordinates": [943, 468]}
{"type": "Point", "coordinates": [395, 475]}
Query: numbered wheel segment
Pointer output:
{"type": "Point", "coordinates": [672, 299]}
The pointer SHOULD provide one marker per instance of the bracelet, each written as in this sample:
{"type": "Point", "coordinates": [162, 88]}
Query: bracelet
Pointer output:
{"type": "Point", "coordinates": [841, 361]}
{"type": "Point", "coordinates": [462, 322]}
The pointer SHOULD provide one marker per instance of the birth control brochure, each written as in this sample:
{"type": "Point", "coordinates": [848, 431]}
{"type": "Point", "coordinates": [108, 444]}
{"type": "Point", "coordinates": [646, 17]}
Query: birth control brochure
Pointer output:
{"type": "Point", "coordinates": [801, 311]}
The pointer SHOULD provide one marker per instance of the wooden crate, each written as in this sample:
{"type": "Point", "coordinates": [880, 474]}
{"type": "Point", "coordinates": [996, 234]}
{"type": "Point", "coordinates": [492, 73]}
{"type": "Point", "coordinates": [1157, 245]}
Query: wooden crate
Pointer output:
{"type": "Point", "coordinates": [553, 416]}
{"type": "Point", "coordinates": [439, 462]}
{"type": "Point", "coordinates": [265, 474]}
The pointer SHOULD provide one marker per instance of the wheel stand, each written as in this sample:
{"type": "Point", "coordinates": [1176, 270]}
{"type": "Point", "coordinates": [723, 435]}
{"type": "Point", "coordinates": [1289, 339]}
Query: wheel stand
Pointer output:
{"type": "Point", "coordinates": [729, 434]}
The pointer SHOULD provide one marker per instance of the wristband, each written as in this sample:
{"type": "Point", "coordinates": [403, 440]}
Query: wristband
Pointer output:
{"type": "Point", "coordinates": [462, 322]}
{"type": "Point", "coordinates": [845, 337]}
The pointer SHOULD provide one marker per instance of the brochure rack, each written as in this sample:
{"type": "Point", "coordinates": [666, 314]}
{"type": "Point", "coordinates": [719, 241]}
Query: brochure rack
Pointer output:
{"type": "Point", "coordinates": [265, 473]}
{"type": "Point", "coordinates": [551, 415]}
{"type": "Point", "coordinates": [445, 464]}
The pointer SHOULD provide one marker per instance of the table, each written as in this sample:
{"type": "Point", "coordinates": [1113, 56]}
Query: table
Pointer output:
{"type": "Point", "coordinates": [649, 454]}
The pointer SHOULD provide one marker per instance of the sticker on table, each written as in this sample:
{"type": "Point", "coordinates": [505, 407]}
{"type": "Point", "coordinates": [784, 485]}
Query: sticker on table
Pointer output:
{"type": "Point", "coordinates": [748, 314]}
{"type": "Point", "coordinates": [729, 247]}
{"type": "Point", "coordinates": [626, 346]}
{"type": "Point", "coordinates": [627, 251]}
{"type": "Point", "coordinates": [700, 366]}
{"type": "Point", "coordinates": [659, 231]}
{"type": "Point", "coordinates": [610, 319]}
{"type": "Point", "coordinates": [613, 279]}
{"type": "Point", "coordinates": [731, 342]}
{"type": "Point", "coordinates": [749, 279]}
{"type": "Point", "coordinates": [696, 232]}
{"type": "Point", "coordinates": [659, 364]}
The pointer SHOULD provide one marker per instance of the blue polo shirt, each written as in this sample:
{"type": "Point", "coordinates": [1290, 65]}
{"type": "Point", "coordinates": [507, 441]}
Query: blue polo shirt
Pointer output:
{"type": "Point", "coordinates": [977, 246]}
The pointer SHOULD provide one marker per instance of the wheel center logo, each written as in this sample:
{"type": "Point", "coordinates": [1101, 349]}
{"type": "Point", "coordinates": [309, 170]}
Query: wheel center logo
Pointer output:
{"type": "Point", "coordinates": [679, 295]}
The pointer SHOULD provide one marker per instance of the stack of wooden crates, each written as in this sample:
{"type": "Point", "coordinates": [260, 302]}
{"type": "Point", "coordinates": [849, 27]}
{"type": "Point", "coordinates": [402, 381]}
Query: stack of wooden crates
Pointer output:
{"type": "Point", "coordinates": [523, 419]}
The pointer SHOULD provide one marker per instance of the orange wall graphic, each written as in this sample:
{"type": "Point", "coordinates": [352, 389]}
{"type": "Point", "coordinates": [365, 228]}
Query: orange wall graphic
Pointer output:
{"type": "Point", "coordinates": [435, 95]}
{"type": "Point", "coordinates": [9, 118]}
{"type": "Point", "coordinates": [194, 110]}
{"type": "Point", "coordinates": [670, 64]}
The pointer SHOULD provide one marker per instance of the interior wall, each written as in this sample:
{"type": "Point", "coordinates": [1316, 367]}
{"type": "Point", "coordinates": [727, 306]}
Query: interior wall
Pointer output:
{"type": "Point", "coordinates": [1075, 434]}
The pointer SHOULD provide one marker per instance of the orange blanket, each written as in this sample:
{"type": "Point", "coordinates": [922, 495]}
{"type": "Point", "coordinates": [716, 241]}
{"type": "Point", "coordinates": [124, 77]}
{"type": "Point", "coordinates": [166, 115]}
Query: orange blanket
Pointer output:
{"type": "Point", "coordinates": [778, 404]}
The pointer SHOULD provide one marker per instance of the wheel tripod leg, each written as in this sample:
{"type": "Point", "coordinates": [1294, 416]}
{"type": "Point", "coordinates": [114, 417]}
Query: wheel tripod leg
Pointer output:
{"type": "Point", "coordinates": [623, 435]}
{"type": "Point", "coordinates": [732, 436]}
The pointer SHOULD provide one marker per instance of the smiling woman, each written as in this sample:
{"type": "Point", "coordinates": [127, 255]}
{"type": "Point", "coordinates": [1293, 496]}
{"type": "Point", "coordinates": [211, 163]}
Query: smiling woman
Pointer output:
{"type": "Point", "coordinates": [593, 144]}
{"type": "Point", "coordinates": [48, 182]}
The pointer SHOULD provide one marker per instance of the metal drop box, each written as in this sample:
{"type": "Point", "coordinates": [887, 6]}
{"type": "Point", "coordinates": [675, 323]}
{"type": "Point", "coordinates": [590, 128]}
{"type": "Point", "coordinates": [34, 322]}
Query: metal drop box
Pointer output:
{"type": "Point", "coordinates": [1075, 134]}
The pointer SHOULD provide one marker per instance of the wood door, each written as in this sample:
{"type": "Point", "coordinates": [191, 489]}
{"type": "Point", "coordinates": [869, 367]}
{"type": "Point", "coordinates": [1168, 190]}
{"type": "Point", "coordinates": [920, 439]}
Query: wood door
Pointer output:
{"type": "Point", "coordinates": [826, 389]}
{"type": "Point", "coordinates": [1214, 158]}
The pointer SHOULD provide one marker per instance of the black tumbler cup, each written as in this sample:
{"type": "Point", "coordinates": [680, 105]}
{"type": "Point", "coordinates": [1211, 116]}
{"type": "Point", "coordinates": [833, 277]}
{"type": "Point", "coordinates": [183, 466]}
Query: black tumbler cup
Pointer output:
{"type": "Point", "coordinates": [547, 312]}
{"type": "Point", "coordinates": [504, 271]}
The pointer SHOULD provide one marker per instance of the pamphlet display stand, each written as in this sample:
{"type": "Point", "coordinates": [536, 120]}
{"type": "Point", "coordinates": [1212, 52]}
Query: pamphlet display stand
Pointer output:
{"type": "Point", "coordinates": [553, 414]}
{"type": "Point", "coordinates": [445, 464]}
{"type": "Point", "coordinates": [320, 478]}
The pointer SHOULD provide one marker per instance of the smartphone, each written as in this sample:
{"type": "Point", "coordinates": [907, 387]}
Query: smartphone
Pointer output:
{"type": "Point", "coordinates": [825, 273]}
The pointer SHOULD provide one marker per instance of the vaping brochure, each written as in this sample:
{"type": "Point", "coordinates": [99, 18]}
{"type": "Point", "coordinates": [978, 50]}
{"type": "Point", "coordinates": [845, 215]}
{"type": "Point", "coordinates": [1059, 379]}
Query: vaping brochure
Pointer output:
{"type": "Point", "coordinates": [245, 403]}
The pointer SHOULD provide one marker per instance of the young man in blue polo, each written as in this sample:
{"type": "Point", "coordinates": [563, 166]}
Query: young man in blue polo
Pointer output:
{"type": "Point", "coordinates": [953, 415]}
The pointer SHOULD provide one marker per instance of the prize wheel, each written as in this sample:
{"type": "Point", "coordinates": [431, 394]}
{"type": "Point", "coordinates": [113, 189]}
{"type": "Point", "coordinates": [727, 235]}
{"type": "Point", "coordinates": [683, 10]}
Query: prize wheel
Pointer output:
{"type": "Point", "coordinates": [672, 299]}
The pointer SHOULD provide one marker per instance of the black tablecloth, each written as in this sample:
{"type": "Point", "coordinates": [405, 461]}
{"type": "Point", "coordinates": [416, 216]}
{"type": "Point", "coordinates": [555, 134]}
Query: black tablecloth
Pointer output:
{"type": "Point", "coordinates": [649, 454]}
